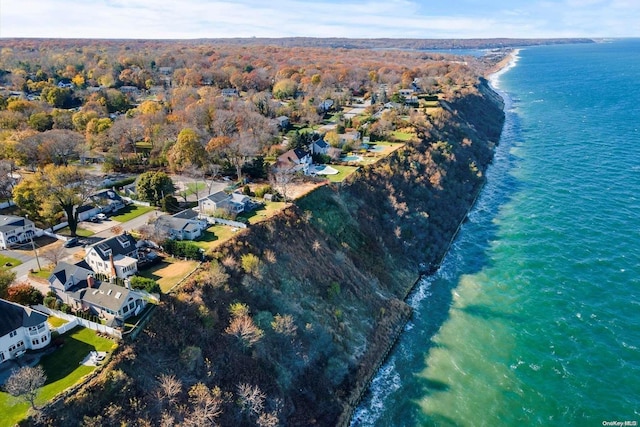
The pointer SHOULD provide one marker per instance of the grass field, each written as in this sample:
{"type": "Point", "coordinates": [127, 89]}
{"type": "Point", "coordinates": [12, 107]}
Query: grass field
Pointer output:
{"type": "Point", "coordinates": [82, 232]}
{"type": "Point", "coordinates": [343, 173]}
{"type": "Point", "coordinates": [265, 211]}
{"type": "Point", "coordinates": [214, 236]}
{"type": "Point", "coordinates": [63, 370]}
{"type": "Point", "coordinates": [169, 272]}
{"type": "Point", "coordinates": [403, 136]}
{"type": "Point", "coordinates": [7, 262]}
{"type": "Point", "coordinates": [130, 212]}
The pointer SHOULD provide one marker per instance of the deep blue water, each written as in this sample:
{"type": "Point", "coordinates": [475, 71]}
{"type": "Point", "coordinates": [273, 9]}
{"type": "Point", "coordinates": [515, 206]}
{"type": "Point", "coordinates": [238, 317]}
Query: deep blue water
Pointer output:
{"type": "Point", "coordinates": [534, 317]}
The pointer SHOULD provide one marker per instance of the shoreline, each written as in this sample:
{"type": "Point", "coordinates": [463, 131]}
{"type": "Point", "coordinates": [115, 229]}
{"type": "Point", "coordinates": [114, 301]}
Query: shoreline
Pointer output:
{"type": "Point", "coordinates": [509, 62]}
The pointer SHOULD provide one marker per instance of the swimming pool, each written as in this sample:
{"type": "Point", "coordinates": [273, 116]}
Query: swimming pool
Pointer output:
{"type": "Point", "coordinates": [352, 158]}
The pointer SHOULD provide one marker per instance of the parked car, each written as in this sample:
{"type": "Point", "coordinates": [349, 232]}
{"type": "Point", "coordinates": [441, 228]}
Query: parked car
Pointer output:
{"type": "Point", "coordinates": [71, 242]}
{"type": "Point", "coordinates": [101, 216]}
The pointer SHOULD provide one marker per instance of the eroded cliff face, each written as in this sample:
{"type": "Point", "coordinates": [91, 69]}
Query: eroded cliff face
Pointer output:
{"type": "Point", "coordinates": [325, 293]}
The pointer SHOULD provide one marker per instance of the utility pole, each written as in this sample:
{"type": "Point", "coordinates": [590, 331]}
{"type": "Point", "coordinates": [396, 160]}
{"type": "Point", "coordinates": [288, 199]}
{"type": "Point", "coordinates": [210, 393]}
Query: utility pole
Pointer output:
{"type": "Point", "coordinates": [35, 251]}
{"type": "Point", "coordinates": [33, 246]}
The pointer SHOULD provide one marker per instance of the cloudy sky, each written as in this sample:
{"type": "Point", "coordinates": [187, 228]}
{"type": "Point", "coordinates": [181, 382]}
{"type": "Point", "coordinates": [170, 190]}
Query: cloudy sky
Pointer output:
{"type": "Point", "coordinates": [183, 19]}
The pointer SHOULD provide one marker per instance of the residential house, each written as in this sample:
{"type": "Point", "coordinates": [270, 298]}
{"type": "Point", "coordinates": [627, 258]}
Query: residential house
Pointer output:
{"type": "Point", "coordinates": [319, 146]}
{"type": "Point", "coordinates": [14, 230]}
{"type": "Point", "coordinates": [283, 122]}
{"type": "Point", "coordinates": [165, 70]}
{"type": "Point", "coordinates": [133, 90]}
{"type": "Point", "coordinates": [294, 160]}
{"type": "Point", "coordinates": [221, 201]}
{"type": "Point", "coordinates": [67, 277]}
{"type": "Point", "coordinates": [110, 301]}
{"type": "Point", "coordinates": [114, 257]}
{"type": "Point", "coordinates": [21, 329]}
{"type": "Point", "coordinates": [77, 287]}
{"type": "Point", "coordinates": [351, 137]}
{"type": "Point", "coordinates": [325, 106]}
{"type": "Point", "coordinates": [409, 96]}
{"type": "Point", "coordinates": [229, 92]}
{"type": "Point", "coordinates": [108, 200]}
{"type": "Point", "coordinates": [184, 225]}
{"type": "Point", "coordinates": [65, 84]}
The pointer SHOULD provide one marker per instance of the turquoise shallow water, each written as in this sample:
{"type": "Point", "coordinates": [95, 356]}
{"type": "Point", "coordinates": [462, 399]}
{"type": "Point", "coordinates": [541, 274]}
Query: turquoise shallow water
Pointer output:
{"type": "Point", "coordinates": [534, 317]}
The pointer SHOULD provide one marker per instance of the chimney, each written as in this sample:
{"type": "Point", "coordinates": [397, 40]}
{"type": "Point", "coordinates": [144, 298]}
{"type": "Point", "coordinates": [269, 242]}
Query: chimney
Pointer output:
{"type": "Point", "coordinates": [90, 281]}
{"type": "Point", "coordinates": [113, 266]}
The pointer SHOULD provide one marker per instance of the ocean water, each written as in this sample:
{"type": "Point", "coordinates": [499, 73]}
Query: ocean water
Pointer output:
{"type": "Point", "coordinates": [534, 317]}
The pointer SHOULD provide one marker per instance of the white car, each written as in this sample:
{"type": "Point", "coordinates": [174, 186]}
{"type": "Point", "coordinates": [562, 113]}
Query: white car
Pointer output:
{"type": "Point", "coordinates": [101, 216]}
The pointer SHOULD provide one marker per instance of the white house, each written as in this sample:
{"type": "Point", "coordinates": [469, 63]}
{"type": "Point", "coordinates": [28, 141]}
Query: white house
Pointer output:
{"type": "Point", "coordinates": [68, 278]}
{"type": "Point", "coordinates": [15, 229]}
{"type": "Point", "coordinates": [110, 301]}
{"type": "Point", "coordinates": [184, 225]}
{"type": "Point", "coordinates": [319, 146]}
{"type": "Point", "coordinates": [283, 122]}
{"type": "Point", "coordinates": [21, 329]}
{"type": "Point", "coordinates": [77, 287]}
{"type": "Point", "coordinates": [229, 92]}
{"type": "Point", "coordinates": [294, 160]}
{"type": "Point", "coordinates": [114, 257]}
{"type": "Point", "coordinates": [221, 201]}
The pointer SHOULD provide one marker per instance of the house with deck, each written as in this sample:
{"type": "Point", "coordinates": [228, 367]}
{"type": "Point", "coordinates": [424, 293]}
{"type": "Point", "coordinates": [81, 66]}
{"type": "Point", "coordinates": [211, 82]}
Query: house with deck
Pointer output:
{"type": "Point", "coordinates": [296, 160]}
{"type": "Point", "coordinates": [222, 201]}
{"type": "Point", "coordinates": [21, 329]}
{"type": "Point", "coordinates": [184, 225]}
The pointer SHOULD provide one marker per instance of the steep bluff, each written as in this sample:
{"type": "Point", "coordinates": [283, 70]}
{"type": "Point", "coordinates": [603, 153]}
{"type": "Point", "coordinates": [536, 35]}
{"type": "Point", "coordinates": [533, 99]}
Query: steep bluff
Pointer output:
{"type": "Point", "coordinates": [320, 289]}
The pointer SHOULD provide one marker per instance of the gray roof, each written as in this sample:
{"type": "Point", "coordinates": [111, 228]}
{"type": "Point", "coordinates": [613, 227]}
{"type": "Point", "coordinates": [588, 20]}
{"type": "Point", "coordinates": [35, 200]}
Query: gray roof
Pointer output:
{"type": "Point", "coordinates": [173, 223]}
{"type": "Point", "coordinates": [63, 271]}
{"type": "Point", "coordinates": [186, 214]}
{"type": "Point", "coordinates": [321, 143]}
{"type": "Point", "coordinates": [11, 222]}
{"type": "Point", "coordinates": [106, 295]}
{"type": "Point", "coordinates": [13, 316]}
{"type": "Point", "coordinates": [217, 197]}
{"type": "Point", "coordinates": [116, 245]}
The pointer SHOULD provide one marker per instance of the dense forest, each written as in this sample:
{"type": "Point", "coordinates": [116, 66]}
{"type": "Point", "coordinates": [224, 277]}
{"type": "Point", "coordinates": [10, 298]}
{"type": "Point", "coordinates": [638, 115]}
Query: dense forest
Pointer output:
{"type": "Point", "coordinates": [285, 324]}
{"type": "Point", "coordinates": [129, 101]}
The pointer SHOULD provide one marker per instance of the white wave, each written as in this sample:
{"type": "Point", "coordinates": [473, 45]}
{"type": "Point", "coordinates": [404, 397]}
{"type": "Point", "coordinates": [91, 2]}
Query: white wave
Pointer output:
{"type": "Point", "coordinates": [494, 79]}
{"type": "Point", "coordinates": [386, 382]}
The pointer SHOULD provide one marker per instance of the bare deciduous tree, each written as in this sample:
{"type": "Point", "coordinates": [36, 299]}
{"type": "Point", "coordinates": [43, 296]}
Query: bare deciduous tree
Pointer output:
{"type": "Point", "coordinates": [251, 398]}
{"type": "Point", "coordinates": [170, 388]}
{"type": "Point", "coordinates": [207, 406]}
{"type": "Point", "coordinates": [25, 383]}
{"type": "Point", "coordinates": [53, 253]}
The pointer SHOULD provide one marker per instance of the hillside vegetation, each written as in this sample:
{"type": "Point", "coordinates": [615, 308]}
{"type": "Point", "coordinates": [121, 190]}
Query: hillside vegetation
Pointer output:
{"type": "Point", "coordinates": [290, 321]}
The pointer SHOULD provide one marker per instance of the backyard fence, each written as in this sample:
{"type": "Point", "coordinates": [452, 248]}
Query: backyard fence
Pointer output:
{"type": "Point", "coordinates": [228, 222]}
{"type": "Point", "coordinates": [78, 321]}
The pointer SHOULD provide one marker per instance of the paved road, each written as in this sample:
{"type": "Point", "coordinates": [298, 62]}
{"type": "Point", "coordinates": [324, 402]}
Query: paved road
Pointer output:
{"type": "Point", "coordinates": [103, 230]}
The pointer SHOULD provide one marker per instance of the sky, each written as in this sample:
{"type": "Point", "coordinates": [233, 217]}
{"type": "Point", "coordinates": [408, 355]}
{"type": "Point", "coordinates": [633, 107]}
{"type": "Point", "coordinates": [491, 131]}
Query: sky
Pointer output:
{"type": "Point", "coordinates": [191, 19]}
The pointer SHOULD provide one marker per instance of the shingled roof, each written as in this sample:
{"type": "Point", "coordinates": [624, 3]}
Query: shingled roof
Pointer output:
{"type": "Point", "coordinates": [14, 316]}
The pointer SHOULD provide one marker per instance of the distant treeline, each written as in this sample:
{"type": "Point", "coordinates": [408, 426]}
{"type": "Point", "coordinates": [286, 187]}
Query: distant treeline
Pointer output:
{"type": "Point", "coordinates": [339, 42]}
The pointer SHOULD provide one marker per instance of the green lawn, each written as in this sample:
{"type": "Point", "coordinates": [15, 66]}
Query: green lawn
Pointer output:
{"type": "Point", "coordinates": [403, 136]}
{"type": "Point", "coordinates": [7, 262]}
{"type": "Point", "coordinates": [43, 273]}
{"type": "Point", "coordinates": [194, 187]}
{"type": "Point", "coordinates": [169, 272]}
{"type": "Point", "coordinates": [82, 232]}
{"type": "Point", "coordinates": [343, 172]}
{"type": "Point", "coordinates": [214, 236]}
{"type": "Point", "coordinates": [131, 211]}
{"type": "Point", "coordinates": [265, 211]}
{"type": "Point", "coordinates": [63, 370]}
